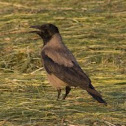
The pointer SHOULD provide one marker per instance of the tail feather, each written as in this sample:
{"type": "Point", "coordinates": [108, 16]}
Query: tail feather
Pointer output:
{"type": "Point", "coordinates": [97, 96]}
{"type": "Point", "coordinates": [93, 91]}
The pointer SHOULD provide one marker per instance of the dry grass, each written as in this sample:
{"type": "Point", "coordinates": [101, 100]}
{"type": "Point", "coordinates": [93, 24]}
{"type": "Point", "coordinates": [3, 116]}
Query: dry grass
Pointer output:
{"type": "Point", "coordinates": [94, 31]}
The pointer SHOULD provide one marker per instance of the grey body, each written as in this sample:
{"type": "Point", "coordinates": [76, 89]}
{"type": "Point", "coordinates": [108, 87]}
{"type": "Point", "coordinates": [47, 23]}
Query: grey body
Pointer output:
{"type": "Point", "coordinates": [60, 54]}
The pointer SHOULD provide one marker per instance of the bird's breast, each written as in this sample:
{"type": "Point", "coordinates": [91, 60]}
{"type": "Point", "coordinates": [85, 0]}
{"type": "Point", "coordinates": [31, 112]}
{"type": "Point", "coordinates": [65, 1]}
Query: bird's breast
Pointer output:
{"type": "Point", "coordinates": [56, 82]}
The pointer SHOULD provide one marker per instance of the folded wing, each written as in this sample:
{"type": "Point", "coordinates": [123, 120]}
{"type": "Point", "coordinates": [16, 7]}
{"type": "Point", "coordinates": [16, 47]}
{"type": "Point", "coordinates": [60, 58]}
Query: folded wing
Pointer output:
{"type": "Point", "coordinates": [63, 65]}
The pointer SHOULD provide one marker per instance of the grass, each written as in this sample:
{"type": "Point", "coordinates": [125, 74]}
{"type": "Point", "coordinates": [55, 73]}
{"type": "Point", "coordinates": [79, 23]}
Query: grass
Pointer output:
{"type": "Point", "coordinates": [94, 31]}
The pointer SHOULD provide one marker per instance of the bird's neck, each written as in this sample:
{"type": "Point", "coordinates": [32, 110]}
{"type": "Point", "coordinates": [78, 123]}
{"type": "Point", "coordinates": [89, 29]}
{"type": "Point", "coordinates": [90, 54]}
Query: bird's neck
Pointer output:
{"type": "Point", "coordinates": [55, 41]}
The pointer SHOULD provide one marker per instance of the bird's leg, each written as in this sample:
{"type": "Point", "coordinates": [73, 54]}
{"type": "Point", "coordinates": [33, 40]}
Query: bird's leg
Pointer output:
{"type": "Point", "coordinates": [59, 92]}
{"type": "Point", "coordinates": [67, 92]}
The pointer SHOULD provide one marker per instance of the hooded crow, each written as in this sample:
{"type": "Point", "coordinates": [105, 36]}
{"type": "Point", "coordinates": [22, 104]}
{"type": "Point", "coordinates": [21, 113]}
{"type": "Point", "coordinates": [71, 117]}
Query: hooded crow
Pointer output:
{"type": "Point", "coordinates": [61, 66]}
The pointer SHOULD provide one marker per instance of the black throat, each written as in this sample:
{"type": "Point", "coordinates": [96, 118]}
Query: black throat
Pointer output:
{"type": "Point", "coordinates": [46, 39]}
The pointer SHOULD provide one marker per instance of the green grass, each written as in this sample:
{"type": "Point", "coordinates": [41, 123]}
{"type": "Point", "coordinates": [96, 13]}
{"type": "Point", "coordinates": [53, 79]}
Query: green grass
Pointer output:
{"type": "Point", "coordinates": [94, 30]}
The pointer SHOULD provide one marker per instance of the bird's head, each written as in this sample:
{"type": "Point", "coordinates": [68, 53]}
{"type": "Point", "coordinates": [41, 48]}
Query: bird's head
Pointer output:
{"type": "Point", "coordinates": [45, 31]}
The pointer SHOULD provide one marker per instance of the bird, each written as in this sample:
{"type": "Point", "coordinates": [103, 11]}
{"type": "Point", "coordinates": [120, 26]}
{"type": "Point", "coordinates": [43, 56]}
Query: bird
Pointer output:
{"type": "Point", "coordinates": [62, 68]}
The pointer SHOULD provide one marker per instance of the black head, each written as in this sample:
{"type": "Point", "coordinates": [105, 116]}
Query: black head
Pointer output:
{"type": "Point", "coordinates": [45, 31]}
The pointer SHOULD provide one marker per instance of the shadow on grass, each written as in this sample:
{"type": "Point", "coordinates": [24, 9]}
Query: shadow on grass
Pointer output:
{"type": "Point", "coordinates": [121, 83]}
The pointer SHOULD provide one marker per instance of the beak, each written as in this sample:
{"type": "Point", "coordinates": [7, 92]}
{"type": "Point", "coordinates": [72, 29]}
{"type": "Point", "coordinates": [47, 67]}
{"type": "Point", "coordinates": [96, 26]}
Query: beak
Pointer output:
{"type": "Point", "coordinates": [35, 27]}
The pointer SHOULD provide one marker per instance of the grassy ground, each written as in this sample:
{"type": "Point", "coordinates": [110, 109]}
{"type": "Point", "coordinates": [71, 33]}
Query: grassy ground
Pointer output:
{"type": "Point", "coordinates": [94, 30]}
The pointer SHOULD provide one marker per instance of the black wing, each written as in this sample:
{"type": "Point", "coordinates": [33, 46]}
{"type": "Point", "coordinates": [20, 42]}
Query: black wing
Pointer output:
{"type": "Point", "coordinates": [74, 76]}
